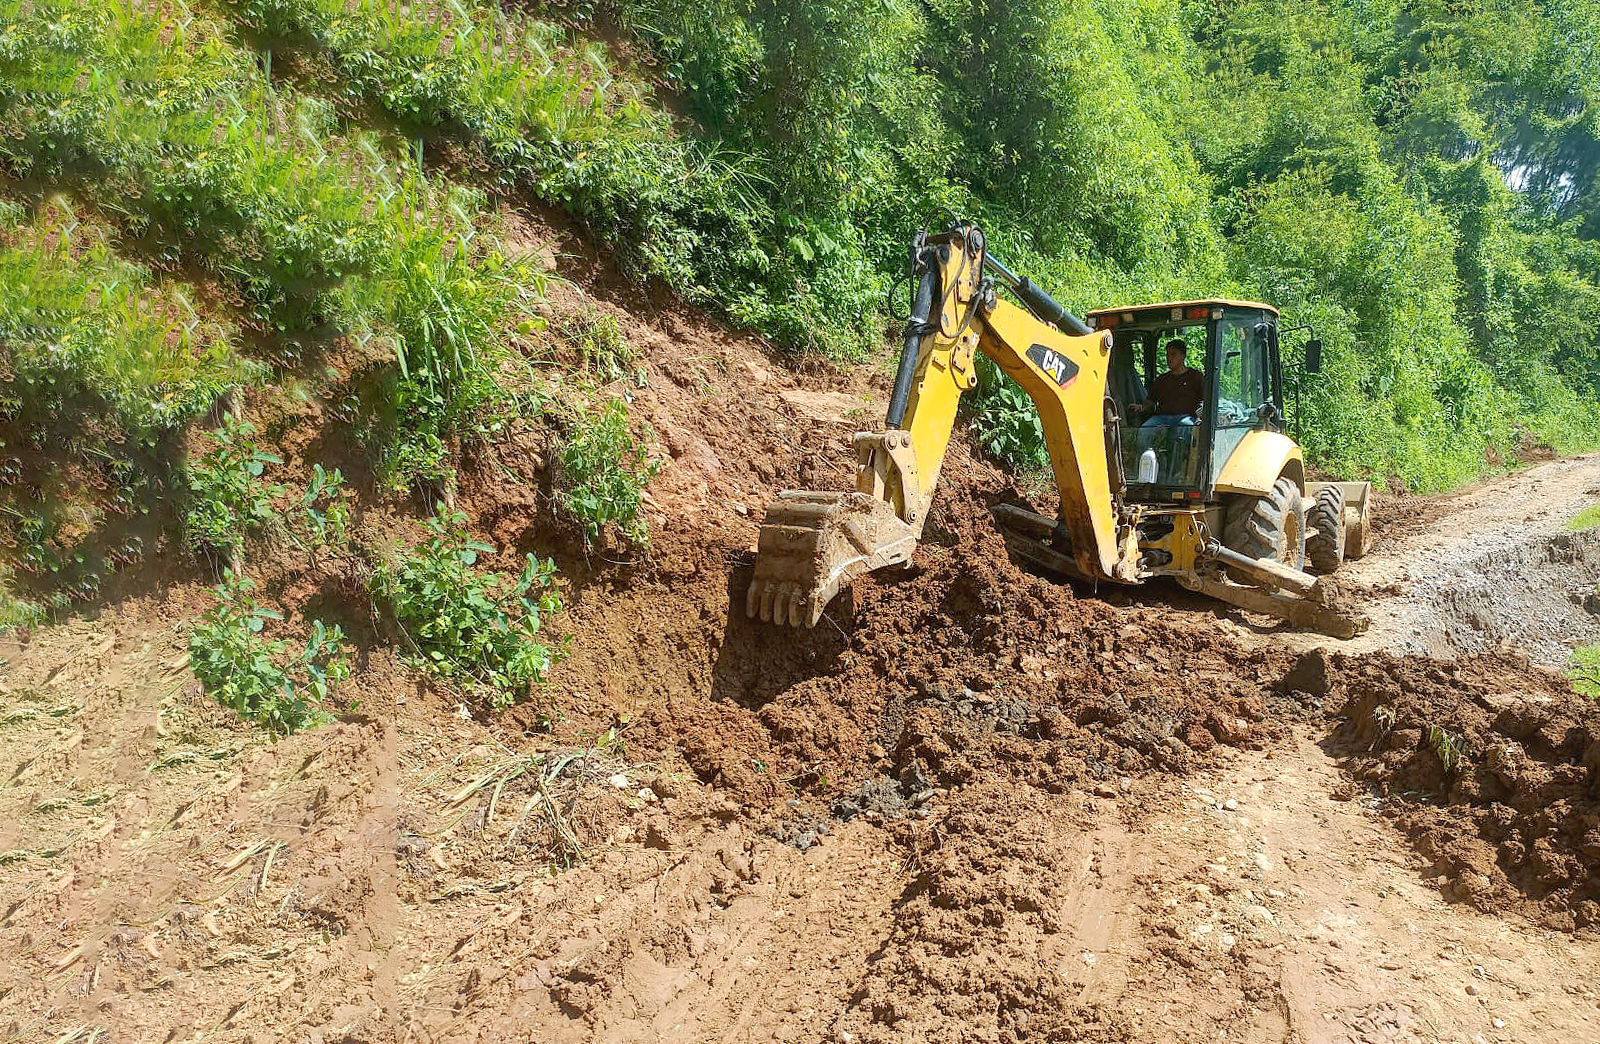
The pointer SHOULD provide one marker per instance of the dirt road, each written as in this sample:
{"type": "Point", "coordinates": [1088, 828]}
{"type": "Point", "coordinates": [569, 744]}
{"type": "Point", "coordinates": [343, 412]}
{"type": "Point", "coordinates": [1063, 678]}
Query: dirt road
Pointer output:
{"type": "Point", "coordinates": [1489, 564]}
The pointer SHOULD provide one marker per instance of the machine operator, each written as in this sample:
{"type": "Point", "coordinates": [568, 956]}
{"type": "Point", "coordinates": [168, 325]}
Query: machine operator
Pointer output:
{"type": "Point", "coordinates": [1175, 395]}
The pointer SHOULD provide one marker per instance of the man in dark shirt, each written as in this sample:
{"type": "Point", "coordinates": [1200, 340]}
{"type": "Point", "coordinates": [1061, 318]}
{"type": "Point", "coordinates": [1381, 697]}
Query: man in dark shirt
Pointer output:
{"type": "Point", "coordinates": [1175, 395]}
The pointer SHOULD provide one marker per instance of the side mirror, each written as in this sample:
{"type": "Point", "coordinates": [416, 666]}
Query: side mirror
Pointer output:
{"type": "Point", "coordinates": [1314, 355]}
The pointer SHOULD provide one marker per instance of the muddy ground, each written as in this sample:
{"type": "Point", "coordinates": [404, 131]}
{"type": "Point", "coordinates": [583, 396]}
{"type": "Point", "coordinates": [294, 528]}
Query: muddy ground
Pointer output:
{"type": "Point", "coordinates": [971, 805]}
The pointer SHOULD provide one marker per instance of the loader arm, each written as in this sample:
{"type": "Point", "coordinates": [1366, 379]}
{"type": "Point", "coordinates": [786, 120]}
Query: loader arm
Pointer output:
{"type": "Point", "coordinates": [812, 544]}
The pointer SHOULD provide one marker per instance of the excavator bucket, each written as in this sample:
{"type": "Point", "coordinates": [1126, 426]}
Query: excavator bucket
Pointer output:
{"type": "Point", "coordinates": [814, 543]}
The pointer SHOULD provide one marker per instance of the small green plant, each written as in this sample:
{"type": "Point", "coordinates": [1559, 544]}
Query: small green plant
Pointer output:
{"type": "Point", "coordinates": [1584, 670]}
{"type": "Point", "coordinates": [227, 498]}
{"type": "Point", "coordinates": [597, 338]}
{"type": "Point", "coordinates": [253, 674]}
{"type": "Point", "coordinates": [17, 612]}
{"type": "Point", "coordinates": [466, 624]}
{"type": "Point", "coordinates": [322, 518]}
{"type": "Point", "coordinates": [604, 471]}
{"type": "Point", "coordinates": [1451, 748]}
{"type": "Point", "coordinates": [1588, 518]}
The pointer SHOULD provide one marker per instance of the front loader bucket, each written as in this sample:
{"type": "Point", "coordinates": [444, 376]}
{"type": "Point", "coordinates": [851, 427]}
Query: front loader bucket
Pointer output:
{"type": "Point", "coordinates": [814, 543]}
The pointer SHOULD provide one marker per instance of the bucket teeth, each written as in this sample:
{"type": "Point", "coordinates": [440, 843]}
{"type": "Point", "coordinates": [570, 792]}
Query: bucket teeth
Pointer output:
{"type": "Point", "coordinates": [779, 603]}
{"type": "Point", "coordinates": [814, 543]}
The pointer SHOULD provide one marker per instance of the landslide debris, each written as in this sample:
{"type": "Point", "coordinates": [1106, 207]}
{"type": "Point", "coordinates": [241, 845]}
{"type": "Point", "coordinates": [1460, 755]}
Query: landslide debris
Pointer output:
{"type": "Point", "coordinates": [964, 668]}
{"type": "Point", "coordinates": [938, 672]}
{"type": "Point", "coordinates": [1491, 767]}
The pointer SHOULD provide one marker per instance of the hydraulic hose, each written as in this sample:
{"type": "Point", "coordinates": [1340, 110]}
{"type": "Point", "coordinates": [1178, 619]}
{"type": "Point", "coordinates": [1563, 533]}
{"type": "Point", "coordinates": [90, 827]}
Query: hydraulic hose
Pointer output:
{"type": "Point", "coordinates": [1041, 304]}
{"type": "Point", "coordinates": [916, 328]}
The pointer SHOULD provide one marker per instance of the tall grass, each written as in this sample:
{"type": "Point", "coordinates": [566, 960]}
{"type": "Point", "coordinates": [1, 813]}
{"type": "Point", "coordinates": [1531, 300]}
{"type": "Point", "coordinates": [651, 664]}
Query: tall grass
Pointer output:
{"type": "Point", "coordinates": [92, 335]}
{"type": "Point", "coordinates": [103, 363]}
{"type": "Point", "coordinates": [187, 155]}
{"type": "Point", "coordinates": [549, 118]}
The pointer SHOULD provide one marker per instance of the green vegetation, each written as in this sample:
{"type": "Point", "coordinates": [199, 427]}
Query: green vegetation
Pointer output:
{"type": "Point", "coordinates": [259, 677]}
{"type": "Point", "coordinates": [463, 623]}
{"type": "Point", "coordinates": [1005, 423]}
{"type": "Point", "coordinates": [1451, 748]}
{"type": "Point", "coordinates": [226, 499]}
{"type": "Point", "coordinates": [597, 339]}
{"type": "Point", "coordinates": [1588, 518]}
{"type": "Point", "coordinates": [603, 474]}
{"type": "Point", "coordinates": [322, 517]}
{"type": "Point", "coordinates": [1584, 670]}
{"type": "Point", "coordinates": [1417, 178]}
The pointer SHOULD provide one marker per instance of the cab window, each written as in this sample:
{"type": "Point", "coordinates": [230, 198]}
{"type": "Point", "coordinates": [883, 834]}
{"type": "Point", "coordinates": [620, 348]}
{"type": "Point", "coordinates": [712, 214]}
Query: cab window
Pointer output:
{"type": "Point", "coordinates": [1244, 383]}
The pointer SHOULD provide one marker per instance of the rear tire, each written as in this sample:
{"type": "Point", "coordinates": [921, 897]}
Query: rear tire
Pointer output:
{"type": "Point", "coordinates": [1325, 530]}
{"type": "Point", "coordinates": [1271, 527]}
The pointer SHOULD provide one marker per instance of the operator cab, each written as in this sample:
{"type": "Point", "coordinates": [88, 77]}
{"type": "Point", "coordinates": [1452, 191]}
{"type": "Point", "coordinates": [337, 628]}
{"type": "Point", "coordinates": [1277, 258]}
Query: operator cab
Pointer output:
{"type": "Point", "coordinates": [1234, 347]}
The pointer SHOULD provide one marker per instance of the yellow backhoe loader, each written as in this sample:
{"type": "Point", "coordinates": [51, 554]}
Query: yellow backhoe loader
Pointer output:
{"type": "Point", "coordinates": [1218, 501]}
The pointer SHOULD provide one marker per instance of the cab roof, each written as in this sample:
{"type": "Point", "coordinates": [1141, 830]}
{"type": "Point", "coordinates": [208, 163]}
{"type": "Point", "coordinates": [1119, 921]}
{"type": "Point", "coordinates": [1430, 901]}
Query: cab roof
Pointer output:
{"type": "Point", "coordinates": [1208, 302]}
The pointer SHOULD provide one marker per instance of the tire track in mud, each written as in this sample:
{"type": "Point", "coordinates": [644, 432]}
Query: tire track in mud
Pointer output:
{"type": "Point", "coordinates": [718, 937]}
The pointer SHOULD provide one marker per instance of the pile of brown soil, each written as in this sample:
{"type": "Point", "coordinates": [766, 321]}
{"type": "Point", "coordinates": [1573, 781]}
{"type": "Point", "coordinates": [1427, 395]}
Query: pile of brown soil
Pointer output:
{"type": "Point", "coordinates": [935, 673]}
{"type": "Point", "coordinates": [1490, 765]}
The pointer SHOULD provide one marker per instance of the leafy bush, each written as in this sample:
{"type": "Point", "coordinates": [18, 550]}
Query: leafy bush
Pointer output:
{"type": "Point", "coordinates": [88, 336]}
{"type": "Point", "coordinates": [1005, 421]}
{"type": "Point", "coordinates": [597, 338]}
{"type": "Point", "coordinates": [603, 474]}
{"type": "Point", "coordinates": [465, 624]}
{"type": "Point", "coordinates": [252, 674]}
{"type": "Point", "coordinates": [227, 499]}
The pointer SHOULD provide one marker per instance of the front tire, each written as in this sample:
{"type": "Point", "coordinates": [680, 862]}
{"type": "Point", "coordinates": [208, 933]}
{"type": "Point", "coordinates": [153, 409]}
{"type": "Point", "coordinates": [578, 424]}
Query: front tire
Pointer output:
{"type": "Point", "coordinates": [1325, 531]}
{"type": "Point", "coordinates": [1271, 527]}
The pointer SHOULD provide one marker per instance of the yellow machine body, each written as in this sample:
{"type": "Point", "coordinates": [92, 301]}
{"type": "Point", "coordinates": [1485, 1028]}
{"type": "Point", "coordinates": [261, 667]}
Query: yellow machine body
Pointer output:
{"type": "Point", "coordinates": [814, 543]}
{"type": "Point", "coordinates": [1258, 460]}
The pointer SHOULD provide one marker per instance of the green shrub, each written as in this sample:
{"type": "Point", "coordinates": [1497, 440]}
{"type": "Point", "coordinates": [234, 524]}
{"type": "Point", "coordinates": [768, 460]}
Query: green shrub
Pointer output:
{"type": "Point", "coordinates": [253, 675]}
{"type": "Point", "coordinates": [91, 337]}
{"type": "Point", "coordinates": [1005, 421]}
{"type": "Point", "coordinates": [597, 338]}
{"type": "Point", "coordinates": [463, 623]}
{"type": "Point", "coordinates": [227, 498]}
{"type": "Point", "coordinates": [603, 474]}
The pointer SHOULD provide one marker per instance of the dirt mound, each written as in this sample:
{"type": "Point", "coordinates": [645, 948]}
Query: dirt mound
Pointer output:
{"type": "Point", "coordinates": [937, 674]}
{"type": "Point", "coordinates": [1490, 765]}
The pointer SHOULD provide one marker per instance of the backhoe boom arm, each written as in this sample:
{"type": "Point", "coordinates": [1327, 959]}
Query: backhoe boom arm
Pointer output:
{"type": "Point", "coordinates": [812, 544]}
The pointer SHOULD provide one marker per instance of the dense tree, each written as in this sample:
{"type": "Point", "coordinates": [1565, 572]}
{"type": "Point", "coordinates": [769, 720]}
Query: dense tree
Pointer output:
{"type": "Point", "coordinates": [1418, 177]}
